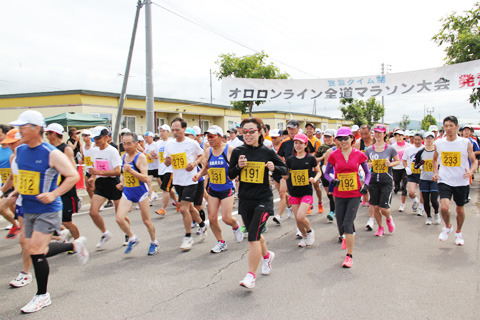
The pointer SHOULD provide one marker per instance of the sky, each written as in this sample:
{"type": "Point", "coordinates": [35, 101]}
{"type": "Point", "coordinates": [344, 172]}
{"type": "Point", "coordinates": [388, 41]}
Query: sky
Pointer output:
{"type": "Point", "coordinates": [53, 45]}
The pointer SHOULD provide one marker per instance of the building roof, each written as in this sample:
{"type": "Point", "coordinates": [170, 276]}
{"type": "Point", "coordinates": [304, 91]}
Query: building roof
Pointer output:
{"type": "Point", "coordinates": [298, 114]}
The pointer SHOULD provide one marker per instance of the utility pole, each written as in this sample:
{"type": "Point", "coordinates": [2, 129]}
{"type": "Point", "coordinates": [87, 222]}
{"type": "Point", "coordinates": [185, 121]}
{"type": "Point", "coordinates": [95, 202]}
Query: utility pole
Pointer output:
{"type": "Point", "coordinates": [149, 67]}
{"type": "Point", "coordinates": [211, 95]}
{"type": "Point", "coordinates": [121, 103]}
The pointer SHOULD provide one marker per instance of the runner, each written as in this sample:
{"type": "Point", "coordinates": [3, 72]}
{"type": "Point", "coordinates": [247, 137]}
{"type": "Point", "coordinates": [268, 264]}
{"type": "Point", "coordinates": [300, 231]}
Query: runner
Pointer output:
{"type": "Point", "coordinates": [316, 143]}
{"type": "Point", "coordinates": [467, 134]}
{"type": "Point", "coordinates": [383, 157]}
{"type": "Point", "coordinates": [87, 159]}
{"type": "Point", "coordinates": [303, 173]}
{"type": "Point", "coordinates": [255, 196]}
{"type": "Point", "coordinates": [39, 165]}
{"type": "Point", "coordinates": [428, 187]}
{"type": "Point", "coordinates": [74, 143]}
{"type": "Point", "coordinates": [184, 155]}
{"type": "Point", "coordinates": [453, 174]}
{"type": "Point", "coordinates": [413, 175]}
{"type": "Point", "coordinates": [321, 156]}
{"type": "Point", "coordinates": [152, 164]}
{"type": "Point", "coordinates": [399, 174]}
{"type": "Point", "coordinates": [105, 176]}
{"type": "Point", "coordinates": [164, 172]}
{"type": "Point", "coordinates": [220, 188]}
{"type": "Point", "coordinates": [346, 162]}
{"type": "Point", "coordinates": [135, 190]}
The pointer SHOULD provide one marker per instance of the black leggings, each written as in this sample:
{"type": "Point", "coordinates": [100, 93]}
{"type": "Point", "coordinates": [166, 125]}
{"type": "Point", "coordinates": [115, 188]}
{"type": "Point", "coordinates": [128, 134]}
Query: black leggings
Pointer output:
{"type": "Point", "coordinates": [332, 202]}
{"type": "Point", "coordinates": [346, 213]}
{"type": "Point", "coordinates": [430, 197]}
{"type": "Point", "coordinates": [400, 181]}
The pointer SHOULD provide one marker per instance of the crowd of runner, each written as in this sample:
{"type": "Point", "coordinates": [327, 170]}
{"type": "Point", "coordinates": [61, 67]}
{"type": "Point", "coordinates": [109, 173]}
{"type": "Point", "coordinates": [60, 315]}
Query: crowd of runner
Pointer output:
{"type": "Point", "coordinates": [357, 166]}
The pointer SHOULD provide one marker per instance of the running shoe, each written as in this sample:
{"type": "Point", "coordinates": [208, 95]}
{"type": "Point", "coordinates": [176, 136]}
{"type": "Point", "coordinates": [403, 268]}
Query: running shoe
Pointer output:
{"type": "Point", "coordinates": [21, 280]}
{"type": "Point", "coordinates": [267, 263]}
{"type": "Point", "coordinates": [344, 243]}
{"type": "Point", "coordinates": [391, 225]}
{"type": "Point", "coordinates": [153, 248]}
{"type": "Point", "coordinates": [125, 241]}
{"type": "Point", "coordinates": [131, 245]}
{"type": "Point", "coordinates": [415, 205]}
{"type": "Point", "coordinates": [64, 235]}
{"type": "Point", "coordinates": [187, 243]}
{"type": "Point", "coordinates": [320, 207]}
{"type": "Point", "coordinates": [364, 204]}
{"type": "Point", "coordinates": [38, 302]}
{"type": "Point", "coordinates": [302, 243]}
{"type": "Point", "coordinates": [370, 224]}
{"type": "Point", "coordinates": [161, 212]}
{"type": "Point", "coordinates": [420, 212]}
{"type": "Point", "coordinates": [81, 249]}
{"type": "Point", "coordinates": [298, 235]}
{"type": "Point", "coordinates": [459, 239]}
{"type": "Point", "coordinates": [101, 208]}
{"type": "Point", "coordinates": [239, 235]}
{"type": "Point", "coordinates": [203, 234]}
{"type": "Point", "coordinates": [310, 240]}
{"type": "Point", "coordinates": [428, 221]}
{"type": "Point", "coordinates": [402, 207]}
{"type": "Point", "coordinates": [13, 233]}
{"type": "Point", "coordinates": [380, 232]}
{"type": "Point", "coordinates": [309, 211]}
{"type": "Point", "coordinates": [437, 218]}
{"type": "Point", "coordinates": [244, 230]}
{"type": "Point", "coordinates": [177, 205]}
{"type": "Point", "coordinates": [199, 231]}
{"type": "Point", "coordinates": [219, 247]}
{"type": "Point", "coordinates": [331, 215]}
{"type": "Point", "coordinates": [105, 237]}
{"type": "Point", "coordinates": [194, 224]}
{"type": "Point", "coordinates": [290, 212]}
{"type": "Point", "coordinates": [277, 219]}
{"type": "Point", "coordinates": [109, 204]}
{"type": "Point", "coordinates": [444, 234]}
{"type": "Point", "coordinates": [248, 282]}
{"type": "Point", "coordinates": [348, 262]}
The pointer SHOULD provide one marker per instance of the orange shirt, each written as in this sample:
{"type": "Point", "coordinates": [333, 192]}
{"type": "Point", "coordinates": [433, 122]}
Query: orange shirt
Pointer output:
{"type": "Point", "coordinates": [316, 143]}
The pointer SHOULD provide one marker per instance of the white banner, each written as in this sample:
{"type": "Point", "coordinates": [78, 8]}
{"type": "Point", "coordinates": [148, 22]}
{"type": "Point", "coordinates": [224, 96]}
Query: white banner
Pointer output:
{"type": "Point", "coordinates": [452, 77]}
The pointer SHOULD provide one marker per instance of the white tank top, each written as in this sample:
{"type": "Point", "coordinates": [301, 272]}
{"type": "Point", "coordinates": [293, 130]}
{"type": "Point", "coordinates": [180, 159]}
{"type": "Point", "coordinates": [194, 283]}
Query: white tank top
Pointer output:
{"type": "Point", "coordinates": [87, 156]}
{"type": "Point", "coordinates": [453, 161]}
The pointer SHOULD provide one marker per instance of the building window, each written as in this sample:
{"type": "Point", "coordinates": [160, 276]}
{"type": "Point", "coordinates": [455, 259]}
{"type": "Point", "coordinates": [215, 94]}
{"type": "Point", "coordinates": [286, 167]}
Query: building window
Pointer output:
{"type": "Point", "coordinates": [205, 125]}
{"type": "Point", "coordinates": [160, 122]}
{"type": "Point", "coordinates": [280, 126]}
{"type": "Point", "coordinates": [129, 122]}
{"type": "Point", "coordinates": [105, 116]}
{"type": "Point", "coordinates": [232, 124]}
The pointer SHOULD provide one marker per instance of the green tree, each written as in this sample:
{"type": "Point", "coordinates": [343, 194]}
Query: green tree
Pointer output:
{"type": "Point", "coordinates": [405, 122]}
{"type": "Point", "coordinates": [427, 121]}
{"type": "Point", "coordinates": [461, 36]}
{"type": "Point", "coordinates": [251, 66]}
{"type": "Point", "coordinates": [361, 112]}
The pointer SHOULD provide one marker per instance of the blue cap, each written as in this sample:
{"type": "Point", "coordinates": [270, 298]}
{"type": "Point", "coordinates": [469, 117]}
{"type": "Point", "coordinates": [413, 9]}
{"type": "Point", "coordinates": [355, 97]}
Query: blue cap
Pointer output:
{"type": "Point", "coordinates": [190, 130]}
{"type": "Point", "coordinates": [149, 134]}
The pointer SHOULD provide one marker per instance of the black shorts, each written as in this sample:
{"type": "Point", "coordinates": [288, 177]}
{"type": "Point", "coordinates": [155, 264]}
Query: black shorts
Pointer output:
{"type": "Point", "coordinates": [277, 177]}
{"type": "Point", "coordinates": [255, 214]}
{"type": "Point", "coordinates": [380, 194]}
{"type": "Point", "coordinates": [167, 180]}
{"type": "Point", "coordinates": [220, 194]}
{"type": "Point", "coordinates": [428, 186]}
{"type": "Point", "coordinates": [70, 206]}
{"type": "Point", "coordinates": [414, 178]}
{"type": "Point", "coordinates": [107, 188]}
{"type": "Point", "coordinates": [197, 201]}
{"type": "Point", "coordinates": [153, 173]}
{"type": "Point", "coordinates": [459, 193]}
{"type": "Point", "coordinates": [186, 193]}
{"type": "Point", "coordinates": [88, 175]}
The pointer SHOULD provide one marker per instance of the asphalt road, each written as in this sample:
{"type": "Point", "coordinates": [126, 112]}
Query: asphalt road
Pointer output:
{"type": "Point", "coordinates": [407, 274]}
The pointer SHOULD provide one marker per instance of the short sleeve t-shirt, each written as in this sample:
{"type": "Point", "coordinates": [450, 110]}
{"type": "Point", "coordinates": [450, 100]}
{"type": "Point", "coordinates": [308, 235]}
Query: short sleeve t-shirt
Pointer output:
{"type": "Point", "coordinates": [106, 159]}
{"type": "Point", "coordinates": [409, 156]}
{"type": "Point", "coordinates": [160, 150]}
{"type": "Point", "coordinates": [300, 171]}
{"type": "Point", "coordinates": [286, 148]}
{"type": "Point", "coordinates": [381, 173]}
{"type": "Point", "coordinates": [400, 151]}
{"type": "Point", "coordinates": [182, 154]}
{"type": "Point", "coordinates": [347, 172]}
{"type": "Point", "coordinates": [152, 164]}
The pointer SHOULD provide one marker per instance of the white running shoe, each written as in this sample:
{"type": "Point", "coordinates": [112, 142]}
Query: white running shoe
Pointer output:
{"type": "Point", "coordinates": [101, 208]}
{"type": "Point", "coordinates": [310, 240]}
{"type": "Point", "coordinates": [303, 243]}
{"type": "Point", "coordinates": [444, 234]}
{"type": "Point", "coordinates": [298, 235]}
{"type": "Point", "coordinates": [187, 243]}
{"type": "Point", "coordinates": [238, 234]}
{"type": "Point", "coordinates": [402, 207]}
{"type": "Point", "coordinates": [428, 221]}
{"type": "Point", "coordinates": [415, 204]}
{"type": "Point", "coordinates": [219, 247]}
{"type": "Point", "coordinates": [290, 212]}
{"type": "Point", "coordinates": [64, 236]}
{"type": "Point", "coordinates": [248, 282]}
{"type": "Point", "coordinates": [38, 302]}
{"type": "Point", "coordinates": [267, 263]}
{"type": "Point", "coordinates": [203, 234]}
{"type": "Point", "coordinates": [277, 219]}
{"type": "Point", "coordinates": [81, 249]}
{"type": "Point", "coordinates": [21, 280]}
{"type": "Point", "coordinates": [105, 237]}
{"type": "Point", "coordinates": [370, 224]}
{"type": "Point", "coordinates": [194, 224]}
{"type": "Point", "coordinates": [459, 239]}
{"type": "Point", "coordinates": [438, 220]}
{"type": "Point", "coordinates": [420, 212]}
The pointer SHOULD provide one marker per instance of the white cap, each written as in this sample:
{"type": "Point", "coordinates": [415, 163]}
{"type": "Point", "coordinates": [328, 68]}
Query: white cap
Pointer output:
{"type": "Point", "coordinates": [355, 128]}
{"type": "Point", "coordinates": [140, 138]}
{"type": "Point", "coordinates": [165, 127]}
{"type": "Point", "coordinates": [318, 130]}
{"type": "Point", "coordinates": [330, 132]}
{"type": "Point", "coordinates": [149, 134]}
{"type": "Point", "coordinates": [429, 134]}
{"type": "Point", "coordinates": [198, 131]}
{"type": "Point", "coordinates": [29, 117]}
{"type": "Point", "coordinates": [54, 127]}
{"type": "Point", "coordinates": [87, 132]}
{"type": "Point", "coordinates": [213, 130]}
{"type": "Point", "coordinates": [125, 130]}
{"type": "Point", "coordinates": [100, 131]}
{"type": "Point", "coordinates": [433, 128]}
{"type": "Point", "coordinates": [400, 132]}
{"type": "Point", "coordinates": [274, 133]}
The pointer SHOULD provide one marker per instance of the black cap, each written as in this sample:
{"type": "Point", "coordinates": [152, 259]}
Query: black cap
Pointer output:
{"type": "Point", "coordinates": [293, 124]}
{"type": "Point", "coordinates": [310, 124]}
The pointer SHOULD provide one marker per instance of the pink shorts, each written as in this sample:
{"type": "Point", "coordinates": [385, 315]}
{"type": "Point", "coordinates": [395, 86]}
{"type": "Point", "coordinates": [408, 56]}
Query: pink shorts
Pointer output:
{"type": "Point", "coordinates": [298, 200]}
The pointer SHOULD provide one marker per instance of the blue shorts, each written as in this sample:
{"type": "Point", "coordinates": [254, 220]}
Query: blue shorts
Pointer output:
{"type": "Point", "coordinates": [428, 186]}
{"type": "Point", "coordinates": [136, 194]}
{"type": "Point", "coordinates": [414, 178]}
{"type": "Point", "coordinates": [19, 211]}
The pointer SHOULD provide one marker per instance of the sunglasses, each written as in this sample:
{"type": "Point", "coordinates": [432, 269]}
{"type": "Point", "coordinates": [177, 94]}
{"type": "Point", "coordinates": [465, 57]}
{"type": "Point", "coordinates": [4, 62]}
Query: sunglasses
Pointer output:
{"type": "Point", "coordinates": [85, 135]}
{"type": "Point", "coordinates": [249, 131]}
{"type": "Point", "coordinates": [211, 136]}
{"type": "Point", "coordinates": [343, 138]}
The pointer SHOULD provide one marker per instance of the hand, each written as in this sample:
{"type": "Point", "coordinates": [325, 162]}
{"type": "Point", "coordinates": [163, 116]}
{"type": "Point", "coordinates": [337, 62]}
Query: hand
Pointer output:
{"type": "Point", "coordinates": [467, 174]}
{"type": "Point", "coordinates": [270, 166]}
{"type": "Point", "coordinates": [364, 189]}
{"type": "Point", "coordinates": [242, 161]}
{"type": "Point", "coordinates": [312, 180]}
{"type": "Point", "coordinates": [13, 195]}
{"type": "Point", "coordinates": [335, 183]}
{"type": "Point", "coordinates": [46, 197]}
{"type": "Point", "coordinates": [195, 178]}
{"type": "Point", "coordinates": [190, 167]}
{"type": "Point", "coordinates": [387, 163]}
{"type": "Point", "coordinates": [127, 168]}
{"type": "Point", "coordinates": [435, 177]}
{"type": "Point", "coordinates": [119, 186]}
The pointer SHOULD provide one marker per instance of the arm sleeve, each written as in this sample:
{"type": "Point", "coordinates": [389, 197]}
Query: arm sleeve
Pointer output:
{"type": "Point", "coordinates": [328, 170]}
{"type": "Point", "coordinates": [368, 175]}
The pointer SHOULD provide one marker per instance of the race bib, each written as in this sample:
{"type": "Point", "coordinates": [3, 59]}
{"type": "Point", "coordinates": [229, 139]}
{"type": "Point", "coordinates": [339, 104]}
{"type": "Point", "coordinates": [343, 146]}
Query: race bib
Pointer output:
{"type": "Point", "coordinates": [5, 173]}
{"type": "Point", "coordinates": [253, 172]}
{"type": "Point", "coordinates": [102, 165]}
{"type": "Point", "coordinates": [415, 171]}
{"type": "Point", "coordinates": [161, 159]}
{"type": "Point", "coordinates": [428, 166]}
{"type": "Point", "coordinates": [130, 180]}
{"type": "Point", "coordinates": [379, 166]}
{"type": "Point", "coordinates": [88, 161]}
{"type": "Point", "coordinates": [348, 181]}
{"type": "Point", "coordinates": [179, 160]}
{"type": "Point", "coordinates": [299, 177]}
{"type": "Point", "coordinates": [217, 175]}
{"type": "Point", "coordinates": [451, 159]}
{"type": "Point", "coordinates": [15, 180]}
{"type": "Point", "coordinates": [29, 182]}
{"type": "Point", "coordinates": [149, 160]}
